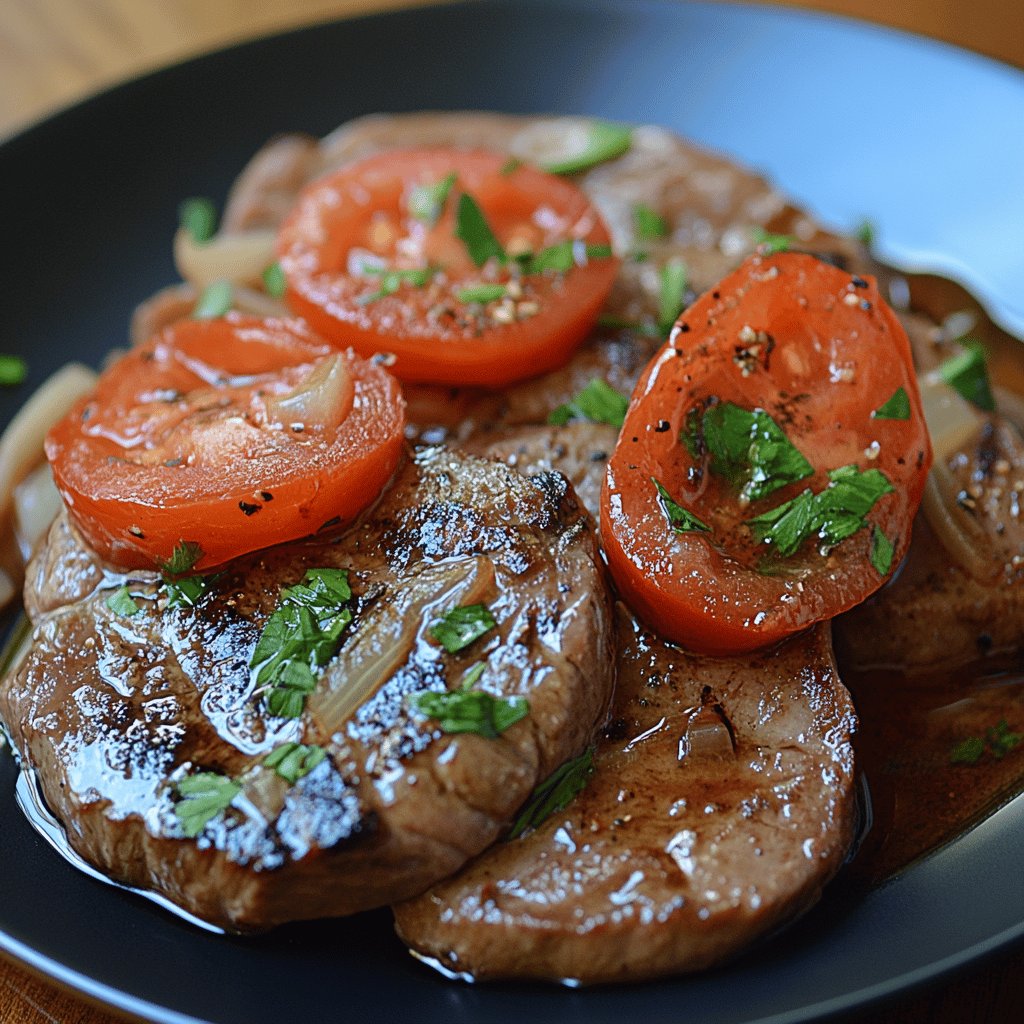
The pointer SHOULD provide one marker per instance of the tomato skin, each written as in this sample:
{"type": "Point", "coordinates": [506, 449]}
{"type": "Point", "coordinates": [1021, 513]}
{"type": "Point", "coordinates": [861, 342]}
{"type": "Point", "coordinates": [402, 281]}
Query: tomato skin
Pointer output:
{"type": "Point", "coordinates": [822, 365]}
{"type": "Point", "coordinates": [176, 443]}
{"type": "Point", "coordinates": [431, 334]}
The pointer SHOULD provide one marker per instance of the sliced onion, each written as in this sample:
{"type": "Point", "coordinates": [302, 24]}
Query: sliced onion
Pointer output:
{"type": "Point", "coordinates": [239, 257]}
{"type": "Point", "coordinates": [21, 446]}
{"type": "Point", "coordinates": [36, 504]}
{"type": "Point", "coordinates": [389, 632]}
{"type": "Point", "coordinates": [323, 399]}
{"type": "Point", "coordinates": [953, 424]}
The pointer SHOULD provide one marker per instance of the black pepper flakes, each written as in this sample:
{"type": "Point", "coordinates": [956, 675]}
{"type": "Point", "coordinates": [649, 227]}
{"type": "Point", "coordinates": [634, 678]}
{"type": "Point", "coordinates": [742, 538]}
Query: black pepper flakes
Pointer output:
{"type": "Point", "coordinates": [249, 508]}
{"type": "Point", "coordinates": [266, 496]}
{"type": "Point", "coordinates": [858, 282]}
{"type": "Point", "coordinates": [662, 426]}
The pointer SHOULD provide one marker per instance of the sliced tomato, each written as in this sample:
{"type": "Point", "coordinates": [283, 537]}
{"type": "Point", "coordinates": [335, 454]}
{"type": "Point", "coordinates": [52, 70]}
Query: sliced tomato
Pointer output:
{"type": "Point", "coordinates": [451, 311]}
{"type": "Point", "coordinates": [234, 433]}
{"type": "Point", "coordinates": [693, 529]}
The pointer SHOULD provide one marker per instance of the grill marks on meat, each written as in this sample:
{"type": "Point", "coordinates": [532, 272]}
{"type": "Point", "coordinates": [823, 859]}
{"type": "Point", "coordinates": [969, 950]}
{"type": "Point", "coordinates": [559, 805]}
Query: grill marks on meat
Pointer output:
{"type": "Point", "coordinates": [721, 804]}
{"type": "Point", "coordinates": [106, 709]}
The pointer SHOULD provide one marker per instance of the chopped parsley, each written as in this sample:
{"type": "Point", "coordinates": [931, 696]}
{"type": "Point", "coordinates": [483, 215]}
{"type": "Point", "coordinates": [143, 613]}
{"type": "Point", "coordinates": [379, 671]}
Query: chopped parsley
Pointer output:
{"type": "Point", "coordinates": [294, 761]}
{"type": "Point", "coordinates": [13, 370]}
{"type": "Point", "coordinates": [617, 323]}
{"type": "Point", "coordinates": [648, 224]}
{"type": "Point", "coordinates": [426, 202]}
{"type": "Point", "coordinates": [198, 216]}
{"type": "Point", "coordinates": [469, 710]}
{"type": "Point", "coordinates": [750, 449]}
{"type": "Point", "coordinates": [605, 141]}
{"type": "Point", "coordinates": [215, 301]}
{"type": "Point", "coordinates": [462, 625]}
{"type": "Point", "coordinates": [672, 297]}
{"type": "Point", "coordinates": [598, 402]}
{"type": "Point", "coordinates": [274, 281]}
{"type": "Point", "coordinates": [472, 228]}
{"type": "Point", "coordinates": [997, 742]}
{"type": "Point", "coordinates": [770, 244]}
{"type": "Point", "coordinates": [881, 551]}
{"type": "Point", "coordinates": [897, 408]}
{"type": "Point", "coordinates": [392, 280]}
{"type": "Point", "coordinates": [555, 792]}
{"type": "Point", "coordinates": [833, 514]}
{"type": "Point", "coordinates": [121, 602]}
{"type": "Point", "coordinates": [482, 293]}
{"type": "Point", "coordinates": [203, 797]}
{"type": "Point", "coordinates": [300, 637]}
{"type": "Point", "coordinates": [679, 518]}
{"type": "Point", "coordinates": [183, 558]}
{"type": "Point", "coordinates": [967, 374]}
{"type": "Point", "coordinates": [563, 256]}
{"type": "Point", "coordinates": [865, 233]}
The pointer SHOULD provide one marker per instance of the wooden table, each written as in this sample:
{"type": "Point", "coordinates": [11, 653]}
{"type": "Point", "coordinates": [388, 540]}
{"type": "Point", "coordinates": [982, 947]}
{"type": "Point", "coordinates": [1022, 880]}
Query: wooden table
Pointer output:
{"type": "Point", "coordinates": [53, 52]}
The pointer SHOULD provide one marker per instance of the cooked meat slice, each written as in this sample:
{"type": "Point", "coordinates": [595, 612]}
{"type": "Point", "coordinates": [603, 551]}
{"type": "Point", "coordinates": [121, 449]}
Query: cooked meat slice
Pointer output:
{"type": "Point", "coordinates": [112, 711]}
{"type": "Point", "coordinates": [580, 451]}
{"type": "Point", "coordinates": [939, 611]}
{"type": "Point", "coordinates": [722, 802]}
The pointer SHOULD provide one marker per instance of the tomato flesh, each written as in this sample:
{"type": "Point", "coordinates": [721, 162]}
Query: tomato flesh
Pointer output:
{"type": "Point", "coordinates": [819, 351]}
{"type": "Point", "coordinates": [352, 227]}
{"type": "Point", "coordinates": [235, 434]}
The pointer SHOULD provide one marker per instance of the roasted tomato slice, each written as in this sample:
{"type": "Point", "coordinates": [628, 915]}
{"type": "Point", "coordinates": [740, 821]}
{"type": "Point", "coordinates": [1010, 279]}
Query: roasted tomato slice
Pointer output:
{"type": "Point", "coordinates": [772, 459]}
{"type": "Point", "coordinates": [465, 267]}
{"type": "Point", "coordinates": [234, 434]}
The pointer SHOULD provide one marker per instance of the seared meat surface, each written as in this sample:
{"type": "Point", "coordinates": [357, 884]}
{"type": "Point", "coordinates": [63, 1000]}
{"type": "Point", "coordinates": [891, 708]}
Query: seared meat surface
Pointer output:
{"type": "Point", "coordinates": [938, 612]}
{"type": "Point", "coordinates": [721, 803]}
{"type": "Point", "coordinates": [112, 711]}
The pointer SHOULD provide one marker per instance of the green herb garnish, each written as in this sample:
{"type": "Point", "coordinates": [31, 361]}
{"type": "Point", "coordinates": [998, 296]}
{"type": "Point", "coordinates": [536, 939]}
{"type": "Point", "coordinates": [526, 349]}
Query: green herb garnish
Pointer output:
{"type": "Point", "coordinates": [183, 558]}
{"type": "Point", "coordinates": [462, 625]}
{"type": "Point", "coordinates": [865, 233]}
{"type": "Point", "coordinates": [605, 141]}
{"type": "Point", "coordinates": [648, 224]}
{"type": "Point", "coordinates": [471, 226]}
{"type": "Point", "coordinates": [833, 514]}
{"type": "Point", "coordinates": [672, 298]}
{"type": "Point", "coordinates": [510, 165]}
{"type": "Point", "coordinates": [426, 202]}
{"type": "Point", "coordinates": [300, 637]}
{"type": "Point", "coordinates": [598, 402]}
{"type": "Point", "coordinates": [294, 761]}
{"type": "Point", "coordinates": [563, 256]}
{"type": "Point", "coordinates": [750, 450]}
{"type": "Point", "coordinates": [679, 518]}
{"type": "Point", "coordinates": [881, 552]}
{"type": "Point", "coordinates": [469, 710]}
{"type": "Point", "coordinates": [274, 282]}
{"type": "Point", "coordinates": [998, 742]}
{"type": "Point", "coordinates": [897, 408]}
{"type": "Point", "coordinates": [204, 796]}
{"type": "Point", "coordinates": [482, 293]}
{"type": "Point", "coordinates": [121, 602]}
{"type": "Point", "coordinates": [769, 243]}
{"type": "Point", "coordinates": [215, 301]}
{"type": "Point", "coordinates": [198, 216]}
{"type": "Point", "coordinates": [13, 370]}
{"type": "Point", "coordinates": [967, 374]}
{"type": "Point", "coordinates": [392, 280]}
{"type": "Point", "coordinates": [555, 792]}
{"type": "Point", "coordinates": [617, 323]}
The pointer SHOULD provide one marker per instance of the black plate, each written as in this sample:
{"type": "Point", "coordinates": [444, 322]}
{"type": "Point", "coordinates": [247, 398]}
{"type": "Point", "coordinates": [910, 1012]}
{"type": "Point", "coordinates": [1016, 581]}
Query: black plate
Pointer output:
{"type": "Point", "coordinates": [853, 121]}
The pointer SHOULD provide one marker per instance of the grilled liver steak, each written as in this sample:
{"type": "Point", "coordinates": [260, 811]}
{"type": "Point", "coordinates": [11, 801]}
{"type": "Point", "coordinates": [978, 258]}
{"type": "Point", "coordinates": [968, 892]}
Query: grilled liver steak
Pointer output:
{"type": "Point", "coordinates": [722, 802]}
{"type": "Point", "coordinates": [112, 710]}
